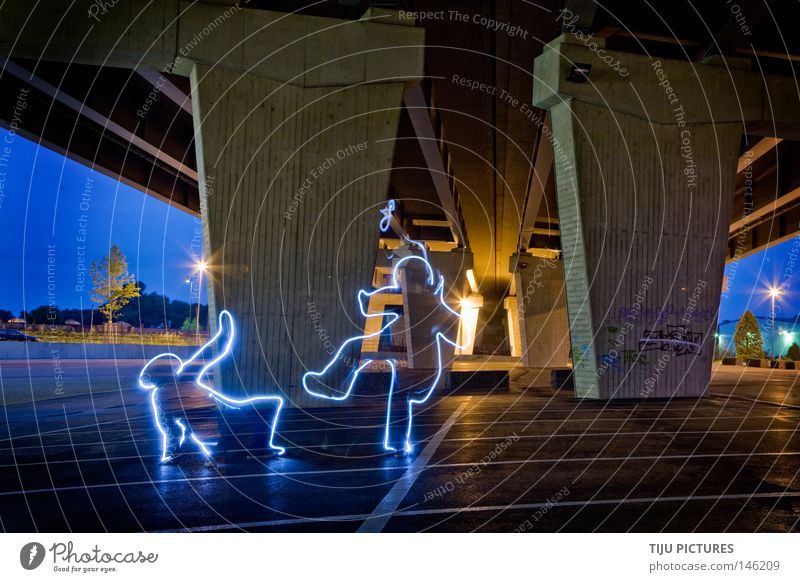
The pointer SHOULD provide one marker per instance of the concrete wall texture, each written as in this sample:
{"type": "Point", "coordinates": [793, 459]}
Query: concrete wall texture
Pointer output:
{"type": "Point", "coordinates": [541, 309]}
{"type": "Point", "coordinates": [644, 192]}
{"type": "Point", "coordinates": [292, 182]}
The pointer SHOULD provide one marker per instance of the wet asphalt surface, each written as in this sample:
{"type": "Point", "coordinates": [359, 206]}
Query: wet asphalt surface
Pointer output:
{"type": "Point", "coordinates": [522, 458]}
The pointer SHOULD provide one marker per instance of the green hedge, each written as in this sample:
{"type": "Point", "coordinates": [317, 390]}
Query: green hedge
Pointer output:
{"type": "Point", "coordinates": [76, 337]}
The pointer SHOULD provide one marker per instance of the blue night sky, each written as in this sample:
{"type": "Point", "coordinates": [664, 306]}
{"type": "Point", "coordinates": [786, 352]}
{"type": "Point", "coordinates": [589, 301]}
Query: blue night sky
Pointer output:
{"type": "Point", "coordinates": [749, 280]}
{"type": "Point", "coordinates": [42, 203]}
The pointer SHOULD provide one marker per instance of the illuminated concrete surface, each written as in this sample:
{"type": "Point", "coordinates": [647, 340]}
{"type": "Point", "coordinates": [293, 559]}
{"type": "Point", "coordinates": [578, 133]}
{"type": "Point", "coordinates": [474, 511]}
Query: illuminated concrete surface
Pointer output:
{"type": "Point", "coordinates": [711, 464]}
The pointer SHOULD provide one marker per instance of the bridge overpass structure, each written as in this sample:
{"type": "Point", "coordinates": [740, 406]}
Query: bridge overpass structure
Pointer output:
{"type": "Point", "coordinates": [572, 171]}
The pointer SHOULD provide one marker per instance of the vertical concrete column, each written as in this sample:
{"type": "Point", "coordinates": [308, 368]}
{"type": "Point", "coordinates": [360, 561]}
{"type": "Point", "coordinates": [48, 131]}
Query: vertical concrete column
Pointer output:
{"type": "Point", "coordinates": [291, 225]}
{"type": "Point", "coordinates": [424, 315]}
{"type": "Point", "coordinates": [511, 306]}
{"type": "Point", "coordinates": [645, 160]}
{"type": "Point", "coordinates": [454, 266]}
{"type": "Point", "coordinates": [469, 310]}
{"type": "Point", "coordinates": [372, 326]}
{"type": "Point", "coordinates": [541, 310]}
{"type": "Point", "coordinates": [295, 120]}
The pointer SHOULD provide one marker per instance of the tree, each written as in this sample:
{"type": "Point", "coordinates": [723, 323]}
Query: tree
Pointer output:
{"type": "Point", "coordinates": [5, 315]}
{"type": "Point", "coordinates": [156, 310]}
{"type": "Point", "coordinates": [747, 337]}
{"type": "Point", "coordinates": [793, 353]}
{"type": "Point", "coordinates": [46, 315]}
{"type": "Point", "coordinates": [113, 287]}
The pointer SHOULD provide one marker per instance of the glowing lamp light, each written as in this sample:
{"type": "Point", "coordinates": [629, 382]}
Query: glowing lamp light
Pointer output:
{"type": "Point", "coordinates": [471, 302]}
{"type": "Point", "coordinates": [164, 422]}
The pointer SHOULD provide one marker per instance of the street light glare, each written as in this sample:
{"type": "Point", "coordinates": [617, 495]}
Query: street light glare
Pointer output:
{"type": "Point", "coordinates": [774, 292]}
{"type": "Point", "coordinates": [202, 266]}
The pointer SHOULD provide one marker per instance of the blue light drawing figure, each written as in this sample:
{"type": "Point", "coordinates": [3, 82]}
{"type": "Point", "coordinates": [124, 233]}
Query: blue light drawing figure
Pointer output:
{"type": "Point", "coordinates": [389, 319]}
{"type": "Point", "coordinates": [174, 429]}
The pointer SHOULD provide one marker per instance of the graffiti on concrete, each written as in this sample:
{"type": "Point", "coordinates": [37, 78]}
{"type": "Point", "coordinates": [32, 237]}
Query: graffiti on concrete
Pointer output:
{"type": "Point", "coordinates": [676, 339]}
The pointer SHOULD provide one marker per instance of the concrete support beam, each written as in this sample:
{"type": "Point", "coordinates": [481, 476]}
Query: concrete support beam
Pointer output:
{"type": "Point", "coordinates": [172, 36]}
{"type": "Point", "coordinates": [423, 313]}
{"type": "Point", "coordinates": [541, 311]}
{"type": "Point", "coordinates": [417, 109]}
{"type": "Point", "coordinates": [378, 304]}
{"type": "Point", "coordinates": [129, 34]}
{"type": "Point", "coordinates": [511, 306]}
{"type": "Point", "coordinates": [763, 147]}
{"type": "Point", "coordinates": [644, 181]}
{"type": "Point", "coordinates": [542, 167]}
{"type": "Point", "coordinates": [424, 317]}
{"type": "Point", "coordinates": [468, 328]}
{"type": "Point", "coordinates": [737, 28]}
{"type": "Point", "coordinates": [109, 126]}
{"type": "Point", "coordinates": [165, 86]}
{"type": "Point", "coordinates": [766, 212]}
{"type": "Point", "coordinates": [292, 179]}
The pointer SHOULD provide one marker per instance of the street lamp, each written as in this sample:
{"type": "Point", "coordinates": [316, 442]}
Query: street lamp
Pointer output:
{"type": "Point", "coordinates": [201, 268]}
{"type": "Point", "coordinates": [774, 293]}
{"type": "Point", "coordinates": [190, 283]}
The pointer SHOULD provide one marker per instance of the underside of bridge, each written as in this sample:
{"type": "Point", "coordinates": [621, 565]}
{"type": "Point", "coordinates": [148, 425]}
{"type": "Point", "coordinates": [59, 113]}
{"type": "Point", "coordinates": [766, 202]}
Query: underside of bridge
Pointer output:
{"type": "Point", "coordinates": [569, 166]}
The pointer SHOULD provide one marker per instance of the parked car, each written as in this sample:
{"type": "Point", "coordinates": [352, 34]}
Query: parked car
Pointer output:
{"type": "Point", "coordinates": [14, 335]}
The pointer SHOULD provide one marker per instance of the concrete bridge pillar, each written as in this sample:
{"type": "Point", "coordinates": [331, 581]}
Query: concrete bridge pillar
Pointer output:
{"type": "Point", "coordinates": [540, 311]}
{"type": "Point", "coordinates": [423, 312]}
{"type": "Point", "coordinates": [293, 171]}
{"type": "Point", "coordinates": [645, 157]}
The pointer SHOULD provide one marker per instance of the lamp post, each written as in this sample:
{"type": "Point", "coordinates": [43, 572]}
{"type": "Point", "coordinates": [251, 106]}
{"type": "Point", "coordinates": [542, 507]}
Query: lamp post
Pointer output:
{"type": "Point", "coordinates": [191, 287]}
{"type": "Point", "coordinates": [201, 268]}
{"type": "Point", "coordinates": [774, 293]}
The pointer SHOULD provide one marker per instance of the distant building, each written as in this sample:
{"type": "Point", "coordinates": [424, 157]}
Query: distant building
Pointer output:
{"type": "Point", "coordinates": [787, 330]}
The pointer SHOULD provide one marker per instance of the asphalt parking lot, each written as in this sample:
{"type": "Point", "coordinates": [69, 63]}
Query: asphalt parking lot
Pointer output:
{"type": "Point", "coordinates": [523, 458]}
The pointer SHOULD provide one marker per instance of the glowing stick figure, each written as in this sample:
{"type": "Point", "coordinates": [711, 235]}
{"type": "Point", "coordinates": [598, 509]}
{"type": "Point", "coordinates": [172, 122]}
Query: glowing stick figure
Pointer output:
{"type": "Point", "coordinates": [168, 424]}
{"type": "Point", "coordinates": [389, 319]}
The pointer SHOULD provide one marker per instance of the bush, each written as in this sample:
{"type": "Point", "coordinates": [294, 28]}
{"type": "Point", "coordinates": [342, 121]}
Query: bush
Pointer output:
{"type": "Point", "coordinates": [94, 337]}
{"type": "Point", "coordinates": [793, 353]}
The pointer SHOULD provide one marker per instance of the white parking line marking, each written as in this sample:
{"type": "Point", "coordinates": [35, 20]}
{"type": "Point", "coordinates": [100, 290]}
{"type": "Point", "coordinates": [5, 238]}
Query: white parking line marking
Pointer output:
{"type": "Point", "coordinates": [389, 504]}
